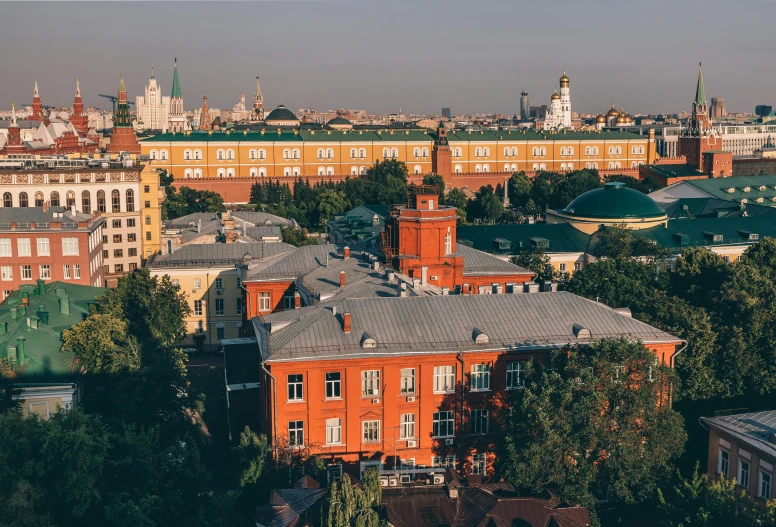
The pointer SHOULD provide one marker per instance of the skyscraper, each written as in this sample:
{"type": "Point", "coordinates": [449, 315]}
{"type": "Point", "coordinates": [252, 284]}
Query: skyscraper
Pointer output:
{"type": "Point", "coordinates": [153, 109]}
{"type": "Point", "coordinates": [718, 108]}
{"type": "Point", "coordinates": [446, 113]}
{"type": "Point", "coordinates": [525, 108]}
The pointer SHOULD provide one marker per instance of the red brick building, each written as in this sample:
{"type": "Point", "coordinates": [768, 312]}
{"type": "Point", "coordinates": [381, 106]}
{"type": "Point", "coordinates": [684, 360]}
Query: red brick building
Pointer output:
{"type": "Point", "coordinates": [50, 244]}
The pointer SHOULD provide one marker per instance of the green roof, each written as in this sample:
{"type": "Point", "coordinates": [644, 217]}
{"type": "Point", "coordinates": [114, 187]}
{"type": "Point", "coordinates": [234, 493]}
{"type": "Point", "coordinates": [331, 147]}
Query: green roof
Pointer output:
{"type": "Point", "coordinates": [270, 134]}
{"type": "Point", "coordinates": [675, 170]}
{"type": "Point", "coordinates": [682, 233]}
{"type": "Point", "coordinates": [176, 85]}
{"type": "Point", "coordinates": [562, 237]}
{"type": "Point", "coordinates": [540, 135]}
{"type": "Point", "coordinates": [43, 361]}
{"type": "Point", "coordinates": [281, 113]}
{"type": "Point", "coordinates": [614, 201]}
{"type": "Point", "coordinates": [714, 208]}
{"type": "Point", "coordinates": [700, 93]}
{"type": "Point", "coordinates": [720, 188]}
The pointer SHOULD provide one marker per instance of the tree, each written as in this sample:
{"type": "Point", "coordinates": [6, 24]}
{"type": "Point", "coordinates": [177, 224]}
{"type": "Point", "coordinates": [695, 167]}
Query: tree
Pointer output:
{"type": "Point", "coordinates": [698, 275]}
{"type": "Point", "coordinates": [536, 260]}
{"type": "Point", "coordinates": [348, 505]}
{"type": "Point", "coordinates": [103, 344]}
{"type": "Point", "coordinates": [646, 185]}
{"type": "Point", "coordinates": [252, 454]}
{"type": "Point", "coordinates": [10, 395]}
{"type": "Point", "coordinates": [437, 181]}
{"type": "Point", "coordinates": [297, 237]}
{"type": "Point", "coordinates": [519, 189]}
{"type": "Point", "coordinates": [331, 203]}
{"type": "Point", "coordinates": [592, 423]}
{"type": "Point", "coordinates": [572, 185]}
{"type": "Point", "coordinates": [485, 206]}
{"type": "Point", "coordinates": [188, 201]}
{"type": "Point", "coordinates": [621, 282]}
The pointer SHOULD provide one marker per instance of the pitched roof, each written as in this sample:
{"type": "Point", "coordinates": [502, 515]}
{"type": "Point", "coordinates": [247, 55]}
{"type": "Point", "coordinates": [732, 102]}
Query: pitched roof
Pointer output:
{"type": "Point", "coordinates": [219, 254]}
{"type": "Point", "coordinates": [759, 187]}
{"type": "Point", "coordinates": [44, 362]}
{"type": "Point", "coordinates": [478, 263]}
{"type": "Point", "coordinates": [715, 208]}
{"type": "Point", "coordinates": [561, 237]}
{"type": "Point", "coordinates": [682, 233]}
{"type": "Point", "coordinates": [429, 324]}
{"type": "Point", "coordinates": [23, 216]}
{"type": "Point", "coordinates": [176, 85]}
{"type": "Point", "coordinates": [261, 218]}
{"type": "Point", "coordinates": [292, 263]}
{"type": "Point", "coordinates": [753, 429]}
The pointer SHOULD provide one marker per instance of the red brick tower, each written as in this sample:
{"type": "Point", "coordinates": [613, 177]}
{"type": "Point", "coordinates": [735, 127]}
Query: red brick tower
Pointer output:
{"type": "Point", "coordinates": [699, 136]}
{"type": "Point", "coordinates": [424, 241]}
{"type": "Point", "coordinates": [79, 119]}
{"type": "Point", "coordinates": [441, 155]}
{"type": "Point", "coordinates": [14, 143]}
{"type": "Point", "coordinates": [204, 118]}
{"type": "Point", "coordinates": [123, 138]}
{"type": "Point", "coordinates": [37, 107]}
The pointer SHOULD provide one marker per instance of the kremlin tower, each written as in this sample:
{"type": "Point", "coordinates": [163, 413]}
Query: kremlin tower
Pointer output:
{"type": "Point", "coordinates": [37, 107]}
{"type": "Point", "coordinates": [699, 136]}
{"type": "Point", "coordinates": [78, 119]}
{"type": "Point", "coordinates": [204, 118]}
{"type": "Point", "coordinates": [14, 143]}
{"type": "Point", "coordinates": [123, 138]}
{"type": "Point", "coordinates": [258, 104]}
{"type": "Point", "coordinates": [177, 116]}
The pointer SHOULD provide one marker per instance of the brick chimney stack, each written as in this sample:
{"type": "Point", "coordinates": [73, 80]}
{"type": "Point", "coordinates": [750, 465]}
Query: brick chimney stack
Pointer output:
{"type": "Point", "coordinates": [346, 252]}
{"type": "Point", "coordinates": [346, 322]}
{"type": "Point", "coordinates": [297, 300]}
{"type": "Point", "coordinates": [342, 278]}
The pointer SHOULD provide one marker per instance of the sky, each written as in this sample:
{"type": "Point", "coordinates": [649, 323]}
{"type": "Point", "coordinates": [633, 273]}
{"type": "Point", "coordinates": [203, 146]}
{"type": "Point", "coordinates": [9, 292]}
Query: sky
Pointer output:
{"type": "Point", "coordinates": [380, 56]}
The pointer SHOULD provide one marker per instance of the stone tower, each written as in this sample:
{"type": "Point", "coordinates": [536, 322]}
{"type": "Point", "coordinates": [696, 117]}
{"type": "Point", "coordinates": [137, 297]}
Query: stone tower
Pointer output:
{"type": "Point", "coordinates": [258, 104]}
{"type": "Point", "coordinates": [123, 138]}
{"type": "Point", "coordinates": [699, 136]}
{"type": "Point", "coordinates": [79, 119]}
{"type": "Point", "coordinates": [37, 107]}
{"type": "Point", "coordinates": [177, 118]}
{"type": "Point", "coordinates": [441, 155]}
{"type": "Point", "coordinates": [204, 118]}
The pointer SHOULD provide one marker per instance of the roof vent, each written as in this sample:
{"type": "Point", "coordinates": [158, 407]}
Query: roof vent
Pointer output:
{"type": "Point", "coordinates": [624, 311]}
{"type": "Point", "coordinates": [276, 325]}
{"type": "Point", "coordinates": [580, 331]}
{"type": "Point", "coordinates": [368, 342]}
{"type": "Point", "coordinates": [479, 337]}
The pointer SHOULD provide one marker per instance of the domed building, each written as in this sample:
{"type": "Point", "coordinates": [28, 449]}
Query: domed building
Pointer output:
{"type": "Point", "coordinates": [600, 122]}
{"type": "Point", "coordinates": [559, 114]}
{"type": "Point", "coordinates": [611, 116]}
{"type": "Point", "coordinates": [613, 204]}
{"type": "Point", "coordinates": [339, 123]}
{"type": "Point", "coordinates": [281, 116]}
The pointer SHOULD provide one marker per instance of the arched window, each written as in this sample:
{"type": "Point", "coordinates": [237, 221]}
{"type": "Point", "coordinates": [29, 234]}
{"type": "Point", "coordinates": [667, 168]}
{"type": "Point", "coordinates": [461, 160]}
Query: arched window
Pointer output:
{"type": "Point", "coordinates": [320, 153]}
{"type": "Point", "coordinates": [130, 197]}
{"type": "Point", "coordinates": [163, 154]}
{"type": "Point", "coordinates": [635, 164]}
{"type": "Point", "coordinates": [542, 166]}
{"type": "Point", "coordinates": [459, 152]}
{"type": "Point", "coordinates": [486, 168]}
{"type": "Point", "coordinates": [197, 154]}
{"type": "Point", "coordinates": [115, 201]}
{"type": "Point", "coordinates": [221, 173]}
{"type": "Point", "coordinates": [416, 152]}
{"type": "Point", "coordinates": [458, 169]}
{"type": "Point", "coordinates": [286, 153]}
{"type": "Point", "coordinates": [86, 202]}
{"type": "Point", "coordinates": [571, 166]}
{"type": "Point", "coordinates": [506, 167]}
{"type": "Point", "coordinates": [611, 150]}
{"type": "Point", "coordinates": [329, 171]}
{"type": "Point", "coordinates": [230, 154]}
{"type": "Point", "coordinates": [478, 152]}
{"type": "Point", "coordinates": [362, 153]}
{"type": "Point", "coordinates": [542, 151]}
{"type": "Point", "coordinates": [570, 150]}
{"type": "Point", "coordinates": [617, 165]}
{"type": "Point", "coordinates": [478, 168]}
{"type": "Point", "coordinates": [416, 169]}
{"type": "Point", "coordinates": [563, 166]}
{"type": "Point", "coordinates": [514, 167]}
{"type": "Point", "coordinates": [263, 172]}
{"type": "Point", "coordinates": [187, 154]}
{"type": "Point", "coordinates": [587, 150]}
{"type": "Point", "coordinates": [353, 171]}
{"type": "Point", "coordinates": [506, 151]}
{"type": "Point", "coordinates": [362, 171]}
{"type": "Point", "coordinates": [595, 150]}
{"type": "Point", "coordinates": [153, 154]}
{"type": "Point", "coordinates": [197, 173]}
{"type": "Point", "coordinates": [595, 166]}
{"type": "Point", "coordinates": [253, 172]}
{"type": "Point", "coordinates": [321, 171]}
{"type": "Point", "coordinates": [535, 167]}
{"type": "Point", "coordinates": [563, 150]}
{"type": "Point", "coordinates": [100, 200]}
{"type": "Point", "coordinates": [514, 151]}
{"type": "Point", "coordinates": [424, 152]}
{"type": "Point", "coordinates": [7, 200]}
{"type": "Point", "coordinates": [287, 171]}
{"type": "Point", "coordinates": [24, 201]}
{"type": "Point", "coordinates": [219, 154]}
{"type": "Point", "coordinates": [641, 150]}
{"type": "Point", "coordinates": [386, 152]}
{"type": "Point", "coordinates": [633, 149]}
{"type": "Point", "coordinates": [296, 153]}
{"type": "Point", "coordinates": [535, 152]}
{"type": "Point", "coordinates": [252, 153]}
{"type": "Point", "coordinates": [230, 172]}
{"type": "Point", "coordinates": [296, 171]}
{"type": "Point", "coordinates": [611, 165]}
{"type": "Point", "coordinates": [262, 154]}
{"type": "Point", "coordinates": [618, 151]}
{"type": "Point", "coordinates": [353, 153]}
{"type": "Point", "coordinates": [394, 152]}
{"type": "Point", "coordinates": [588, 165]}
{"type": "Point", "coordinates": [188, 173]}
{"type": "Point", "coordinates": [486, 152]}
{"type": "Point", "coordinates": [39, 199]}
{"type": "Point", "coordinates": [70, 199]}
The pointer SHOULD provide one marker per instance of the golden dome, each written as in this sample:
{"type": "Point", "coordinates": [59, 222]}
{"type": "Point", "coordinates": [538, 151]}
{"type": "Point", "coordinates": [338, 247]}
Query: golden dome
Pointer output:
{"type": "Point", "coordinates": [628, 119]}
{"type": "Point", "coordinates": [620, 120]}
{"type": "Point", "coordinates": [555, 96]}
{"type": "Point", "coordinates": [600, 119]}
{"type": "Point", "coordinates": [564, 81]}
{"type": "Point", "coordinates": [612, 112]}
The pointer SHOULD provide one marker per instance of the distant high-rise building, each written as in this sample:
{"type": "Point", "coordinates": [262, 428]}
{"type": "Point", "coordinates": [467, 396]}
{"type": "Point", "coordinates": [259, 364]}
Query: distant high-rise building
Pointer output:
{"type": "Point", "coordinates": [446, 113]}
{"type": "Point", "coordinates": [538, 112]}
{"type": "Point", "coordinates": [718, 108]}
{"type": "Point", "coordinates": [525, 109]}
{"type": "Point", "coordinates": [153, 110]}
{"type": "Point", "coordinates": [763, 109]}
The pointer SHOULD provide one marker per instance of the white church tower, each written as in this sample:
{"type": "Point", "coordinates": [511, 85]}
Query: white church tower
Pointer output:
{"type": "Point", "coordinates": [559, 114]}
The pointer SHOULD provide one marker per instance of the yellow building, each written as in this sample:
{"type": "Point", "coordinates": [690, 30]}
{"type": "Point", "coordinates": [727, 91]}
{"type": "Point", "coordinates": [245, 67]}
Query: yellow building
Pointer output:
{"type": "Point", "coordinates": [208, 277]}
{"type": "Point", "coordinates": [151, 195]}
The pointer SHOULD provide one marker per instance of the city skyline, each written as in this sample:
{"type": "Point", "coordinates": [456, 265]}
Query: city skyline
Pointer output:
{"type": "Point", "coordinates": [380, 58]}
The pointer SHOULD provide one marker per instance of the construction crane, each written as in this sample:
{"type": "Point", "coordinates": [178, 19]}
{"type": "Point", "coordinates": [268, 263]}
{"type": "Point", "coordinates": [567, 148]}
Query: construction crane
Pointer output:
{"type": "Point", "coordinates": [114, 99]}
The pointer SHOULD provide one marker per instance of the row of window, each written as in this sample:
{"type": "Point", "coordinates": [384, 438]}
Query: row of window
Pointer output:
{"type": "Point", "coordinates": [86, 200]}
{"type": "Point", "coordinates": [43, 246]}
{"type": "Point", "coordinates": [764, 477]}
{"type": "Point", "coordinates": [444, 381]}
{"type": "Point", "coordinates": [161, 154]}
{"type": "Point", "coordinates": [119, 253]}
{"type": "Point", "coordinates": [44, 272]}
{"type": "Point", "coordinates": [219, 307]}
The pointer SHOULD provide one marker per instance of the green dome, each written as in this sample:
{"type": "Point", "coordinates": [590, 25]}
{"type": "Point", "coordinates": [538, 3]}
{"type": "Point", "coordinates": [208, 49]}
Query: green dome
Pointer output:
{"type": "Point", "coordinates": [281, 113]}
{"type": "Point", "coordinates": [614, 201]}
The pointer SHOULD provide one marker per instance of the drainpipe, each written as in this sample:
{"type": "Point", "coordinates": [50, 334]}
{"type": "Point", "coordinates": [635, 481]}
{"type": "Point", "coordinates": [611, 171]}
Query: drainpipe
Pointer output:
{"type": "Point", "coordinates": [248, 312]}
{"type": "Point", "coordinates": [207, 310]}
{"type": "Point", "coordinates": [275, 413]}
{"type": "Point", "coordinates": [671, 361]}
{"type": "Point", "coordinates": [463, 403]}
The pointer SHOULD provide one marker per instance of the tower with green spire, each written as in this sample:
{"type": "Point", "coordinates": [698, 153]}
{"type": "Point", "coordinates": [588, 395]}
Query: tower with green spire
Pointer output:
{"type": "Point", "coordinates": [122, 118]}
{"type": "Point", "coordinates": [177, 117]}
{"type": "Point", "coordinates": [123, 138]}
{"type": "Point", "coordinates": [700, 121]}
{"type": "Point", "coordinates": [699, 137]}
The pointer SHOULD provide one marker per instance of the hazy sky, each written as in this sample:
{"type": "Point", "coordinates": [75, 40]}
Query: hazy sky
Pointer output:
{"type": "Point", "coordinates": [418, 55]}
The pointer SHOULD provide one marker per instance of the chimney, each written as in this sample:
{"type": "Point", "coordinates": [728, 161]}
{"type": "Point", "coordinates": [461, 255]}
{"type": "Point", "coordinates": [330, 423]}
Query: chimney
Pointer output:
{"type": "Point", "coordinates": [297, 300]}
{"type": "Point", "coordinates": [64, 305]}
{"type": "Point", "coordinates": [342, 278]}
{"type": "Point", "coordinates": [3, 327]}
{"type": "Point", "coordinates": [45, 206]}
{"type": "Point", "coordinates": [346, 322]}
{"type": "Point", "coordinates": [346, 252]}
{"type": "Point", "coordinates": [199, 226]}
{"type": "Point", "coordinates": [41, 287]}
{"type": "Point", "coordinates": [20, 350]}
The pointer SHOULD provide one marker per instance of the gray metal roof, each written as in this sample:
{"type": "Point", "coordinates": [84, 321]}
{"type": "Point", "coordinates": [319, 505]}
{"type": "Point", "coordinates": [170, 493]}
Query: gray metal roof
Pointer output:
{"type": "Point", "coordinates": [479, 263]}
{"type": "Point", "coordinates": [752, 429]}
{"type": "Point", "coordinates": [23, 216]}
{"type": "Point", "coordinates": [299, 261]}
{"type": "Point", "coordinates": [195, 217]}
{"type": "Point", "coordinates": [214, 254]}
{"type": "Point", "coordinates": [261, 218]}
{"type": "Point", "coordinates": [431, 324]}
{"type": "Point", "coordinates": [263, 231]}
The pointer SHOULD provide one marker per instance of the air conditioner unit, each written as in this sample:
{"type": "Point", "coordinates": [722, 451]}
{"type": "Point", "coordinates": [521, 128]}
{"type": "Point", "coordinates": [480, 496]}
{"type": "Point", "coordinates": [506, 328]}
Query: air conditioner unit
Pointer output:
{"type": "Point", "coordinates": [412, 444]}
{"type": "Point", "coordinates": [375, 401]}
{"type": "Point", "coordinates": [384, 481]}
{"type": "Point", "coordinates": [393, 481]}
{"type": "Point", "coordinates": [439, 479]}
{"type": "Point", "coordinates": [411, 399]}
{"type": "Point", "coordinates": [406, 479]}
{"type": "Point", "coordinates": [449, 442]}
{"type": "Point", "coordinates": [219, 291]}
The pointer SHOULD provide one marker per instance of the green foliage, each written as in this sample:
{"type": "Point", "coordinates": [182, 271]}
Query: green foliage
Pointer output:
{"type": "Point", "coordinates": [10, 395]}
{"type": "Point", "coordinates": [188, 201]}
{"type": "Point", "coordinates": [590, 425]}
{"type": "Point", "coordinates": [646, 185]}
{"type": "Point", "coordinates": [620, 282]}
{"type": "Point", "coordinates": [538, 261]}
{"type": "Point", "coordinates": [297, 237]}
{"type": "Point", "coordinates": [330, 204]}
{"type": "Point", "coordinates": [439, 183]}
{"type": "Point", "coordinates": [486, 206]}
{"type": "Point", "coordinates": [519, 189]}
{"type": "Point", "coordinates": [103, 344]}
{"type": "Point", "coordinates": [350, 506]}
{"type": "Point", "coordinates": [252, 454]}
{"type": "Point", "coordinates": [620, 242]}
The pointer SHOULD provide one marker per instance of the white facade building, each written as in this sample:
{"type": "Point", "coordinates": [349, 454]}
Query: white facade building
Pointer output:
{"type": "Point", "coordinates": [559, 114]}
{"type": "Point", "coordinates": [153, 109]}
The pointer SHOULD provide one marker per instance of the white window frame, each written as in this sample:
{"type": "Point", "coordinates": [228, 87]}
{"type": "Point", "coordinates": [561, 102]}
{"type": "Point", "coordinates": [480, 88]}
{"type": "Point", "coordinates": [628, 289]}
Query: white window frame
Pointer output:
{"type": "Point", "coordinates": [264, 302]}
{"type": "Point", "coordinates": [198, 308]}
{"type": "Point", "coordinates": [407, 426]}
{"type": "Point", "coordinates": [25, 272]}
{"type": "Point", "coordinates": [24, 247]}
{"type": "Point", "coordinates": [723, 462]}
{"type": "Point", "coordinates": [764, 484]}
{"type": "Point", "coordinates": [515, 375]}
{"type": "Point", "coordinates": [370, 383]}
{"type": "Point", "coordinates": [370, 431]}
{"type": "Point", "coordinates": [296, 433]}
{"type": "Point", "coordinates": [741, 471]}
{"type": "Point", "coordinates": [295, 386]}
{"type": "Point", "coordinates": [66, 271]}
{"type": "Point", "coordinates": [334, 431]}
{"type": "Point", "coordinates": [444, 379]}
{"type": "Point", "coordinates": [479, 380]}
{"type": "Point", "coordinates": [5, 248]}
{"type": "Point", "coordinates": [43, 246]}
{"type": "Point", "coordinates": [7, 273]}
{"type": "Point", "coordinates": [219, 307]}
{"type": "Point", "coordinates": [407, 380]}
{"type": "Point", "coordinates": [45, 272]}
{"type": "Point", "coordinates": [479, 463]}
{"type": "Point", "coordinates": [443, 462]}
{"type": "Point", "coordinates": [69, 246]}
